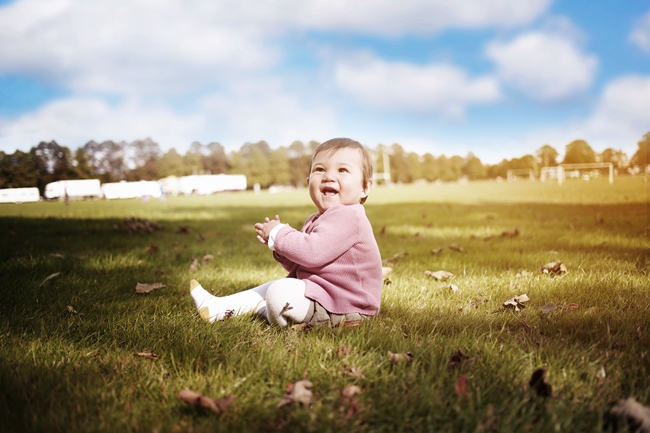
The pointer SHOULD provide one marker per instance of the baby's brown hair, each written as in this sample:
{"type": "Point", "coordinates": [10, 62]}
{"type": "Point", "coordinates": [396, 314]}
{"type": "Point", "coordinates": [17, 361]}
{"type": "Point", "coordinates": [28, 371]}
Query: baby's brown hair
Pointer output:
{"type": "Point", "coordinates": [367, 168]}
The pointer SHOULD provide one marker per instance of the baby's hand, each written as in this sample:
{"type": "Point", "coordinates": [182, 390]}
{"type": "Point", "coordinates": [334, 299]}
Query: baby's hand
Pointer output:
{"type": "Point", "coordinates": [264, 229]}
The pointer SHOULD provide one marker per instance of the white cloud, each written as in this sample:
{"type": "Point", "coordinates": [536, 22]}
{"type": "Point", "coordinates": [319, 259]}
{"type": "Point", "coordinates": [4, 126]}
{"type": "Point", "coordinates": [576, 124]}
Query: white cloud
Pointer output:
{"type": "Point", "coordinates": [402, 86]}
{"type": "Point", "coordinates": [75, 121]}
{"type": "Point", "coordinates": [619, 120]}
{"type": "Point", "coordinates": [640, 35]}
{"type": "Point", "coordinates": [544, 66]}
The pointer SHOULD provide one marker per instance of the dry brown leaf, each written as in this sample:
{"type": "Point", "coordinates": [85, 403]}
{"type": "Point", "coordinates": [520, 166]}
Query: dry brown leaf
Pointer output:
{"type": "Point", "coordinates": [461, 385]}
{"type": "Point", "coordinates": [343, 351]}
{"type": "Point", "coordinates": [194, 265]}
{"type": "Point", "coordinates": [397, 358]}
{"type": "Point", "coordinates": [511, 234]}
{"type": "Point", "coordinates": [548, 308]}
{"type": "Point", "coordinates": [572, 306]}
{"type": "Point", "coordinates": [54, 275]}
{"type": "Point", "coordinates": [217, 406]}
{"type": "Point", "coordinates": [554, 268]}
{"type": "Point", "coordinates": [453, 287]}
{"type": "Point", "coordinates": [395, 258]}
{"type": "Point", "coordinates": [182, 230]}
{"type": "Point", "coordinates": [632, 414]}
{"type": "Point", "coordinates": [348, 397]}
{"type": "Point", "coordinates": [354, 372]}
{"type": "Point", "coordinates": [517, 302]}
{"type": "Point", "coordinates": [143, 288]}
{"type": "Point", "coordinates": [456, 247]}
{"type": "Point", "coordinates": [537, 382]}
{"type": "Point", "coordinates": [153, 249]}
{"type": "Point", "coordinates": [208, 257]}
{"type": "Point", "coordinates": [440, 275]}
{"type": "Point", "coordinates": [147, 355]}
{"type": "Point", "coordinates": [299, 392]}
{"type": "Point", "coordinates": [459, 358]}
{"type": "Point", "coordinates": [200, 238]}
{"type": "Point", "coordinates": [300, 327]}
{"type": "Point", "coordinates": [436, 251]}
{"type": "Point", "coordinates": [350, 391]}
{"type": "Point", "coordinates": [71, 309]}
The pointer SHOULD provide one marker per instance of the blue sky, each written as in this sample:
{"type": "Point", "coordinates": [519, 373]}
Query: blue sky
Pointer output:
{"type": "Point", "coordinates": [497, 78]}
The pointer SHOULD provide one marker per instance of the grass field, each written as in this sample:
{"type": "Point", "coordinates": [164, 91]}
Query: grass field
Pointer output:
{"type": "Point", "coordinates": [69, 344]}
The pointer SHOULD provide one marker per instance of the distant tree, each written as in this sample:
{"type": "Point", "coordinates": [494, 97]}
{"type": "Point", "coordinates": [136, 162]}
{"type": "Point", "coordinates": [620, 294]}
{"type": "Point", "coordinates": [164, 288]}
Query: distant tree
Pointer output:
{"type": "Point", "coordinates": [641, 157]}
{"type": "Point", "coordinates": [216, 160]}
{"type": "Point", "coordinates": [430, 168]}
{"type": "Point", "coordinates": [108, 160]}
{"type": "Point", "coordinates": [258, 167]}
{"type": "Point", "coordinates": [171, 164]}
{"type": "Point", "coordinates": [617, 157]}
{"type": "Point", "coordinates": [579, 152]}
{"type": "Point", "coordinates": [457, 164]}
{"type": "Point", "coordinates": [400, 170]}
{"type": "Point", "coordinates": [415, 167]}
{"type": "Point", "coordinates": [280, 174]}
{"type": "Point", "coordinates": [81, 165]}
{"type": "Point", "coordinates": [143, 160]}
{"type": "Point", "coordinates": [473, 168]}
{"type": "Point", "coordinates": [445, 169]}
{"type": "Point", "coordinates": [547, 156]}
{"type": "Point", "coordinates": [299, 159]}
{"type": "Point", "coordinates": [18, 170]}
{"type": "Point", "coordinates": [52, 163]}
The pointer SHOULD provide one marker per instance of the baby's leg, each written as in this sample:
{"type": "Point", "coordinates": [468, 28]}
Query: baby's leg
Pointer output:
{"type": "Point", "coordinates": [213, 308]}
{"type": "Point", "coordinates": [285, 299]}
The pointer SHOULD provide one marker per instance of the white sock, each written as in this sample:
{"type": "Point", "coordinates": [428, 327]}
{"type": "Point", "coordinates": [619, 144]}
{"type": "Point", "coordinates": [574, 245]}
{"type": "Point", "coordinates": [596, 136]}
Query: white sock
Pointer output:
{"type": "Point", "coordinates": [213, 308]}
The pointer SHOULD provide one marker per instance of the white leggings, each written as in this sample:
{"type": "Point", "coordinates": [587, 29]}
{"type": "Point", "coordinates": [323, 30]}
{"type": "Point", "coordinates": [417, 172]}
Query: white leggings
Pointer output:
{"type": "Point", "coordinates": [277, 300]}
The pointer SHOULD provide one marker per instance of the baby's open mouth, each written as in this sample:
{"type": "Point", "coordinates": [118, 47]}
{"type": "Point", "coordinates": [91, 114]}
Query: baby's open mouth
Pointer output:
{"type": "Point", "coordinates": [329, 192]}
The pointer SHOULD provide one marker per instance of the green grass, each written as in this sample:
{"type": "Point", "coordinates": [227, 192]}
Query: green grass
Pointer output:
{"type": "Point", "coordinates": [77, 372]}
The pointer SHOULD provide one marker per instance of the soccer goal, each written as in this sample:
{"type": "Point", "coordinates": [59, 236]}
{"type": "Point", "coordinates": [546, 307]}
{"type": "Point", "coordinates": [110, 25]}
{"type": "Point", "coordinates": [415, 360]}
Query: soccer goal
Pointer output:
{"type": "Point", "coordinates": [518, 173]}
{"type": "Point", "coordinates": [585, 171]}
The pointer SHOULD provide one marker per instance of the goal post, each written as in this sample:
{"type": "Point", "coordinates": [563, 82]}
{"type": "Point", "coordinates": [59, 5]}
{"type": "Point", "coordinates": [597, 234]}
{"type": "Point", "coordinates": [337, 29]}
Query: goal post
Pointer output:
{"type": "Point", "coordinates": [576, 167]}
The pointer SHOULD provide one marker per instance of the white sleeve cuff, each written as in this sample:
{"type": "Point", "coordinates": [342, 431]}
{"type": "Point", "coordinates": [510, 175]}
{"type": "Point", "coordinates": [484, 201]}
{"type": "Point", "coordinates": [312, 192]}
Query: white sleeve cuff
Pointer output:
{"type": "Point", "coordinates": [272, 235]}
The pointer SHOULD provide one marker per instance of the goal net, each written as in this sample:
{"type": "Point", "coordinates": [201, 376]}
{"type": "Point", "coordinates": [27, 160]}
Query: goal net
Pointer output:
{"type": "Point", "coordinates": [585, 171]}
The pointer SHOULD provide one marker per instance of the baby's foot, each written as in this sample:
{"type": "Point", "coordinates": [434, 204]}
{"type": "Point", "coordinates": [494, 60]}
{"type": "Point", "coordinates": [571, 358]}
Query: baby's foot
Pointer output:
{"type": "Point", "coordinates": [206, 304]}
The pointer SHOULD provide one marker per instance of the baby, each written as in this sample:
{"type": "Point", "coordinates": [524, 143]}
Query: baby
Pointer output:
{"type": "Point", "coordinates": [334, 264]}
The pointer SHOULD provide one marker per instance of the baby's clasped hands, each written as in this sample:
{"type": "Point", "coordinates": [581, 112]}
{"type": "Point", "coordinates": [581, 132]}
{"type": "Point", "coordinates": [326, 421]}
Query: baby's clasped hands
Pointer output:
{"type": "Point", "coordinates": [264, 229]}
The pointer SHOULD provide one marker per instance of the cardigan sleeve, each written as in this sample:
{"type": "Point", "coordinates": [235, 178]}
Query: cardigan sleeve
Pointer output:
{"type": "Point", "coordinates": [334, 233]}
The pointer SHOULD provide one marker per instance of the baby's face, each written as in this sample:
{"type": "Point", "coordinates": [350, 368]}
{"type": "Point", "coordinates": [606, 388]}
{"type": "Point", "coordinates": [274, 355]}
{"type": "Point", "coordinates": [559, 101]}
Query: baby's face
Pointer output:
{"type": "Point", "coordinates": [337, 178]}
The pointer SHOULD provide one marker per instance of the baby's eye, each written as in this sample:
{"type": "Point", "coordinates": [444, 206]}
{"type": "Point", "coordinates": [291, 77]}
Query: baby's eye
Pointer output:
{"type": "Point", "coordinates": [343, 170]}
{"type": "Point", "coordinates": [317, 170]}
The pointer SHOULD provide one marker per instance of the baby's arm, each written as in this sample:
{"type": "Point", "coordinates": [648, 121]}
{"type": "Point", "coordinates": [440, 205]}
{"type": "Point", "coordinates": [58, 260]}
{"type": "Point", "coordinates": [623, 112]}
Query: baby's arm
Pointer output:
{"type": "Point", "coordinates": [264, 229]}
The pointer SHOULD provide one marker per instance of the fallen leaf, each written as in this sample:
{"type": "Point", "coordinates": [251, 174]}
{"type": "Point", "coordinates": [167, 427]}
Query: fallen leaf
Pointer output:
{"type": "Point", "coordinates": [456, 247]}
{"type": "Point", "coordinates": [182, 230]}
{"type": "Point", "coordinates": [354, 372]}
{"type": "Point", "coordinates": [350, 391]}
{"type": "Point", "coordinates": [208, 257]}
{"type": "Point", "coordinates": [572, 306]}
{"type": "Point", "coordinates": [200, 238]}
{"type": "Point", "coordinates": [147, 355]}
{"type": "Point", "coordinates": [153, 249]}
{"type": "Point", "coordinates": [440, 275]}
{"type": "Point", "coordinates": [348, 397]}
{"type": "Point", "coordinates": [300, 327]}
{"type": "Point", "coordinates": [548, 308]}
{"type": "Point", "coordinates": [436, 251]}
{"type": "Point", "coordinates": [217, 406]}
{"type": "Point", "coordinates": [385, 271]}
{"type": "Point", "coordinates": [299, 392]}
{"type": "Point", "coordinates": [343, 351]}
{"type": "Point", "coordinates": [458, 358]}
{"type": "Point", "coordinates": [142, 288]}
{"type": "Point", "coordinates": [396, 358]}
{"type": "Point", "coordinates": [517, 302]}
{"type": "Point", "coordinates": [601, 374]}
{"type": "Point", "coordinates": [461, 385]}
{"type": "Point", "coordinates": [632, 414]}
{"type": "Point", "coordinates": [50, 277]}
{"type": "Point", "coordinates": [194, 265]}
{"type": "Point", "coordinates": [395, 258]}
{"type": "Point", "coordinates": [511, 234]}
{"type": "Point", "coordinates": [71, 309]}
{"type": "Point", "coordinates": [553, 268]}
{"type": "Point", "coordinates": [57, 255]}
{"type": "Point", "coordinates": [537, 382]}
{"type": "Point", "coordinates": [453, 287]}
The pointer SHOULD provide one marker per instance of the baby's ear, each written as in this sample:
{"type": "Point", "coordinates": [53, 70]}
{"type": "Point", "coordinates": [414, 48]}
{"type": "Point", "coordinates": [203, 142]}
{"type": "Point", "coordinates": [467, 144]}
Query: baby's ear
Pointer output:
{"type": "Point", "coordinates": [367, 189]}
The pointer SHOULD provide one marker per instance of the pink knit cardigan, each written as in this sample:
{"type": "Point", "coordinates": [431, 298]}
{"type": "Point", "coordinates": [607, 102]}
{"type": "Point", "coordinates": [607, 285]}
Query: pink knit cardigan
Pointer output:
{"type": "Point", "coordinates": [337, 256]}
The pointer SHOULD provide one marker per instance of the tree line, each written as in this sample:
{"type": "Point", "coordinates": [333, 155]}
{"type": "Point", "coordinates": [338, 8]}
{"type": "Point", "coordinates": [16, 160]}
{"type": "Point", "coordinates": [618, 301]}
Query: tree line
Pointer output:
{"type": "Point", "coordinates": [112, 161]}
